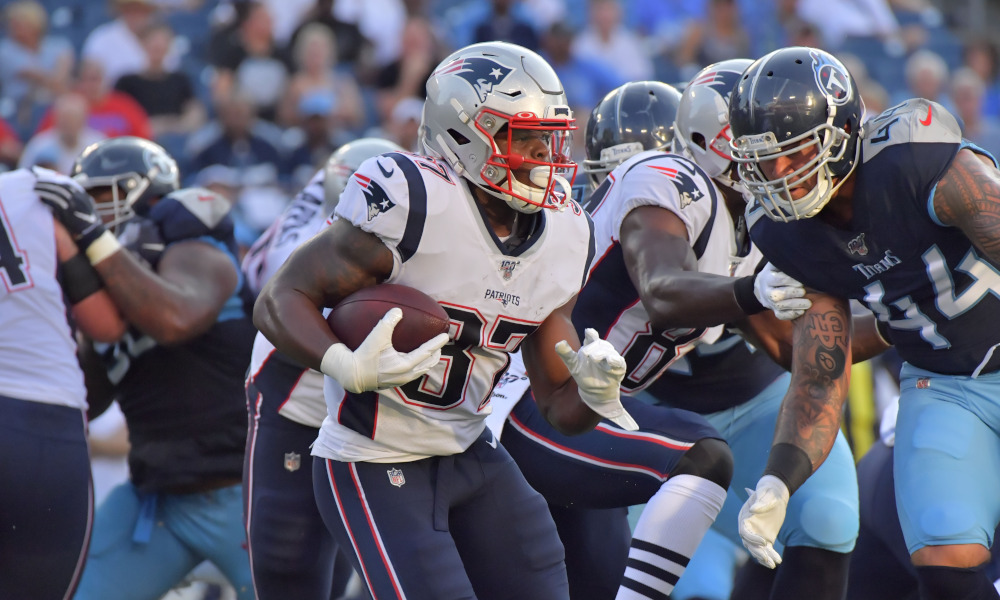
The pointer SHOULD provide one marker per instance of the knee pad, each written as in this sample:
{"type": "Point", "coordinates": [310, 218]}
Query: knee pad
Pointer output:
{"type": "Point", "coordinates": [710, 459]}
{"type": "Point", "coordinates": [954, 583]}
{"type": "Point", "coordinates": [826, 523]}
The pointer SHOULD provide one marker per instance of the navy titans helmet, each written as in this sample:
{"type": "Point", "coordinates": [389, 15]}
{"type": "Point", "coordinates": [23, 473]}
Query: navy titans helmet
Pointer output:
{"type": "Point", "coordinates": [135, 169]}
{"type": "Point", "coordinates": [792, 100]}
{"type": "Point", "coordinates": [630, 119]}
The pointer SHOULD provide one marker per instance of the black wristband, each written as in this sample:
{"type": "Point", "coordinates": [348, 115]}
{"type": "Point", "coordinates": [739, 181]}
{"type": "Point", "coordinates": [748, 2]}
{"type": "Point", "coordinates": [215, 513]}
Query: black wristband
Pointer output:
{"type": "Point", "coordinates": [78, 278]}
{"type": "Point", "coordinates": [745, 298]}
{"type": "Point", "coordinates": [790, 464]}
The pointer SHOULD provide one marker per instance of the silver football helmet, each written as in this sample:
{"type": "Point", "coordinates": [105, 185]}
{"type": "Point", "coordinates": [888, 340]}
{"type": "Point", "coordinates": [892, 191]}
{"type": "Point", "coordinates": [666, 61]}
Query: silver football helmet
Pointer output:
{"type": "Point", "coordinates": [496, 88]}
{"type": "Point", "coordinates": [345, 161]}
{"type": "Point", "coordinates": [701, 131]}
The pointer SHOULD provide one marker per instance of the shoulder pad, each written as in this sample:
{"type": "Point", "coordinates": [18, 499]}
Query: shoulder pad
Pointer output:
{"type": "Point", "coordinates": [917, 120]}
{"type": "Point", "coordinates": [192, 212]}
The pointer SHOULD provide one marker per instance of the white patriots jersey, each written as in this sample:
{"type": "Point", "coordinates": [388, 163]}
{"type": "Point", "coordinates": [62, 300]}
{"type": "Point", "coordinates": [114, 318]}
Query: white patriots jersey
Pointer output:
{"type": "Point", "coordinates": [611, 303]}
{"type": "Point", "coordinates": [301, 220]}
{"type": "Point", "coordinates": [37, 350]}
{"type": "Point", "coordinates": [442, 245]}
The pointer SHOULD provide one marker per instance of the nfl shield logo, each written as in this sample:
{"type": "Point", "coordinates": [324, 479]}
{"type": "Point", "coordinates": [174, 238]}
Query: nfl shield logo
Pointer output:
{"type": "Point", "coordinates": [923, 383]}
{"type": "Point", "coordinates": [396, 477]}
{"type": "Point", "coordinates": [293, 460]}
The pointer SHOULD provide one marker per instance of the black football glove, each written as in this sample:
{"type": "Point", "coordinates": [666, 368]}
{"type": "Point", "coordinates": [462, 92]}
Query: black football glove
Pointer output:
{"type": "Point", "coordinates": [75, 209]}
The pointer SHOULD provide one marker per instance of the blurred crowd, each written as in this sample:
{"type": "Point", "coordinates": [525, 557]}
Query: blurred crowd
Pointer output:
{"type": "Point", "coordinates": [252, 96]}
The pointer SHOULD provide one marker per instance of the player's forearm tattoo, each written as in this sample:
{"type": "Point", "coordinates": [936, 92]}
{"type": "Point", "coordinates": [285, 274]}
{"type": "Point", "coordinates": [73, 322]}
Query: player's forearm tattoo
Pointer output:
{"type": "Point", "coordinates": [810, 415]}
{"type": "Point", "coordinates": [968, 197]}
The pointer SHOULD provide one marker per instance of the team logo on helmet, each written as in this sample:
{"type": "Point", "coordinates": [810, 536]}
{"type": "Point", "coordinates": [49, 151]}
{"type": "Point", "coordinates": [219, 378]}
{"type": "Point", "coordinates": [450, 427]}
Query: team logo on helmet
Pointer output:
{"type": "Point", "coordinates": [158, 165]}
{"type": "Point", "coordinates": [481, 73]}
{"type": "Point", "coordinates": [724, 80]}
{"type": "Point", "coordinates": [858, 246]}
{"type": "Point", "coordinates": [832, 78]}
{"type": "Point", "coordinates": [378, 201]}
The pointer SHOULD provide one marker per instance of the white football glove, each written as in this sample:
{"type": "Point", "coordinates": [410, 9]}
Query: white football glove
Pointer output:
{"type": "Point", "coordinates": [780, 293]}
{"type": "Point", "coordinates": [761, 518]}
{"type": "Point", "coordinates": [376, 365]}
{"type": "Point", "coordinates": [598, 370]}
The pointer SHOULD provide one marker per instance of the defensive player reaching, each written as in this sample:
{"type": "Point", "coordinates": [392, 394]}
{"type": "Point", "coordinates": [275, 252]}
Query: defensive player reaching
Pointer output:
{"type": "Point", "coordinates": [902, 215]}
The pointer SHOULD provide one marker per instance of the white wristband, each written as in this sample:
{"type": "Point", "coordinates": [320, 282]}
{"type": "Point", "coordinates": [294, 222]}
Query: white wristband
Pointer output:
{"type": "Point", "coordinates": [104, 246]}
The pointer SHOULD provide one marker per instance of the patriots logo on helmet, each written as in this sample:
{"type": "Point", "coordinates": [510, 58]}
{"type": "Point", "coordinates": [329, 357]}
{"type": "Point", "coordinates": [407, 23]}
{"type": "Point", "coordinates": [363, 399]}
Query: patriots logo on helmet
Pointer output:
{"type": "Point", "coordinates": [481, 73]}
{"type": "Point", "coordinates": [378, 201]}
{"type": "Point", "coordinates": [832, 78]}
{"type": "Point", "coordinates": [687, 189]}
{"type": "Point", "coordinates": [858, 246]}
{"type": "Point", "coordinates": [724, 80]}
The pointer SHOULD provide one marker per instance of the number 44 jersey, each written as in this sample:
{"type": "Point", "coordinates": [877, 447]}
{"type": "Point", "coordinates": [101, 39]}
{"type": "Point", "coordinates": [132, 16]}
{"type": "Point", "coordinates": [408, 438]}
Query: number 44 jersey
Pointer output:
{"type": "Point", "coordinates": [938, 296]}
{"type": "Point", "coordinates": [494, 292]}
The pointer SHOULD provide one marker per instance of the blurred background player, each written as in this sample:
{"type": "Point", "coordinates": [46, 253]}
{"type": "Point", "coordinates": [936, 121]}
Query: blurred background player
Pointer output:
{"type": "Point", "coordinates": [177, 374]}
{"type": "Point", "coordinates": [408, 477]}
{"type": "Point", "coordinates": [48, 287]}
{"type": "Point", "coordinates": [292, 554]}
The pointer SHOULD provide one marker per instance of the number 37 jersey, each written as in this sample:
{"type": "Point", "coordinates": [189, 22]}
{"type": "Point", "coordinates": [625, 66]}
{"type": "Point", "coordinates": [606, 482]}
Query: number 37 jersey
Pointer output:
{"type": "Point", "coordinates": [495, 296]}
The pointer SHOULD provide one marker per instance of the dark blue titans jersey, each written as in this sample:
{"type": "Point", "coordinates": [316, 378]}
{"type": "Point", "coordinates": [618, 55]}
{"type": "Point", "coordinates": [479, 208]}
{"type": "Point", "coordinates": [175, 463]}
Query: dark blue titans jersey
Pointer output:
{"type": "Point", "coordinates": [926, 280]}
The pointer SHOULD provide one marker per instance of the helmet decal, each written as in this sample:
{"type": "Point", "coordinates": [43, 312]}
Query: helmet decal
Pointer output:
{"type": "Point", "coordinates": [831, 78]}
{"type": "Point", "coordinates": [158, 164]}
{"type": "Point", "coordinates": [723, 80]}
{"type": "Point", "coordinates": [480, 72]}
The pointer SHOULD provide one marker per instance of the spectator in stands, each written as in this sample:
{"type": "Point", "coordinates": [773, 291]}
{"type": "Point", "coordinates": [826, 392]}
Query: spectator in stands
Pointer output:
{"type": "Point", "coordinates": [926, 77]}
{"type": "Point", "coordinates": [967, 93]}
{"type": "Point", "coordinates": [10, 146]}
{"type": "Point", "coordinates": [352, 47]}
{"type": "Point", "coordinates": [983, 56]}
{"type": "Point", "coordinates": [248, 59]}
{"type": "Point", "coordinates": [167, 96]}
{"type": "Point", "coordinates": [407, 76]}
{"type": "Point", "coordinates": [502, 23]}
{"type": "Point", "coordinates": [858, 19]}
{"type": "Point", "coordinates": [380, 21]}
{"type": "Point", "coordinates": [58, 146]}
{"type": "Point", "coordinates": [110, 112]}
{"type": "Point", "coordinates": [116, 44]}
{"type": "Point", "coordinates": [34, 67]}
{"type": "Point", "coordinates": [317, 137]}
{"type": "Point", "coordinates": [236, 140]}
{"type": "Point", "coordinates": [606, 40]}
{"type": "Point", "coordinates": [723, 35]}
{"type": "Point", "coordinates": [673, 30]}
{"type": "Point", "coordinates": [404, 124]}
{"type": "Point", "coordinates": [315, 55]}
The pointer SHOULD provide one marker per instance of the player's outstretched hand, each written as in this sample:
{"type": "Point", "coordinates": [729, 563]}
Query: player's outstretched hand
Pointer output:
{"type": "Point", "coordinates": [780, 293]}
{"type": "Point", "coordinates": [761, 518]}
{"type": "Point", "coordinates": [376, 365]}
{"type": "Point", "coordinates": [598, 370]}
{"type": "Point", "coordinates": [75, 209]}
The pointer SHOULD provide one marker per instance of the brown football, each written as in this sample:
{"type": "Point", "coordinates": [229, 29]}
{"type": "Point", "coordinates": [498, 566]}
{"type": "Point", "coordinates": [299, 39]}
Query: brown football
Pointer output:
{"type": "Point", "coordinates": [353, 319]}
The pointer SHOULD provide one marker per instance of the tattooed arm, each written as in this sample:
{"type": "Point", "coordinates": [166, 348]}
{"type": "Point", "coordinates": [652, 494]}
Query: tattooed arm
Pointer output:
{"type": "Point", "coordinates": [810, 413]}
{"type": "Point", "coordinates": [968, 197]}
